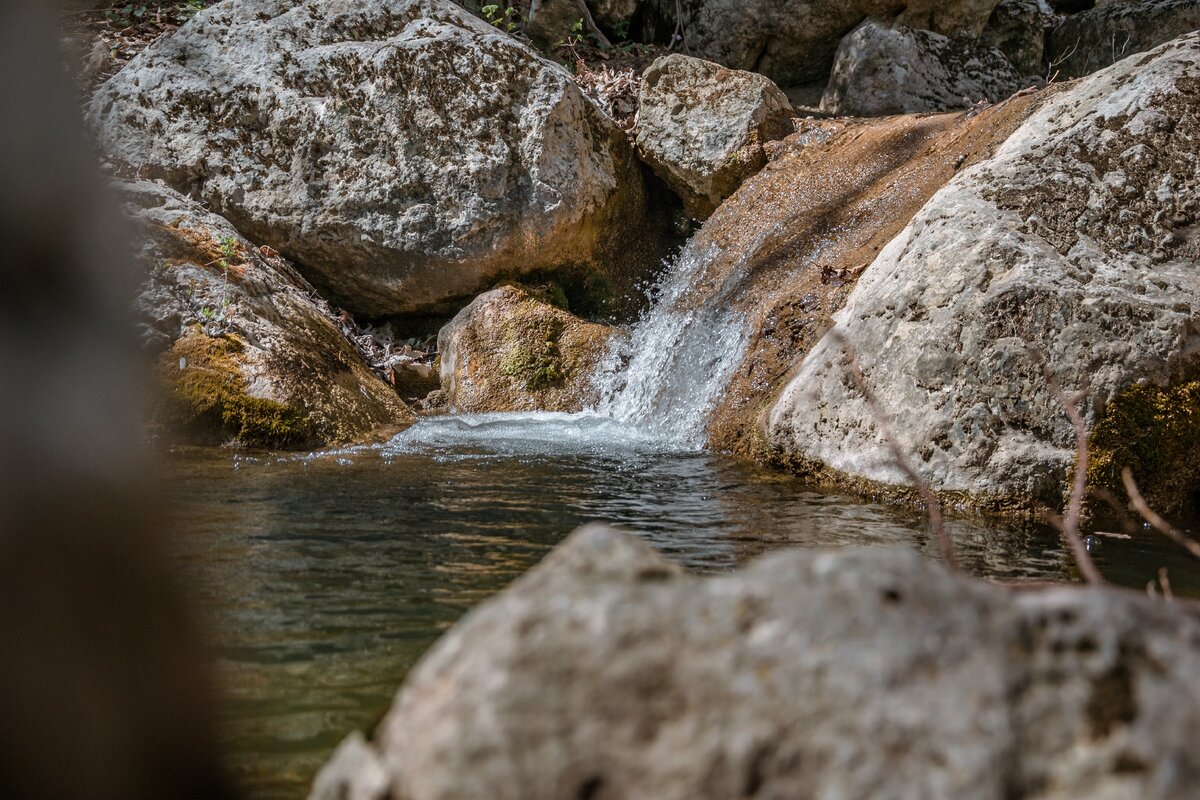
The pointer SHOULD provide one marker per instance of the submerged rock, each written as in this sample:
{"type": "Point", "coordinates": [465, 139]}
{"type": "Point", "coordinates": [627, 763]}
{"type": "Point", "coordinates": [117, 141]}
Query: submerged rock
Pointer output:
{"type": "Point", "coordinates": [793, 42]}
{"type": "Point", "coordinates": [511, 350]}
{"type": "Point", "coordinates": [702, 127]}
{"type": "Point", "coordinates": [1113, 30]}
{"type": "Point", "coordinates": [248, 351]}
{"type": "Point", "coordinates": [404, 153]}
{"type": "Point", "coordinates": [881, 70]}
{"type": "Point", "coordinates": [1073, 249]}
{"type": "Point", "coordinates": [607, 671]}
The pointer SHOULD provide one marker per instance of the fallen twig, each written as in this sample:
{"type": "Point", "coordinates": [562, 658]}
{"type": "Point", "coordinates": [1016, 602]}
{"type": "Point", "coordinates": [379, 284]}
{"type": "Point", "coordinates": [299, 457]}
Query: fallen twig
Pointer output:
{"type": "Point", "coordinates": [1069, 523]}
{"type": "Point", "coordinates": [884, 421]}
{"type": "Point", "coordinates": [1142, 507]}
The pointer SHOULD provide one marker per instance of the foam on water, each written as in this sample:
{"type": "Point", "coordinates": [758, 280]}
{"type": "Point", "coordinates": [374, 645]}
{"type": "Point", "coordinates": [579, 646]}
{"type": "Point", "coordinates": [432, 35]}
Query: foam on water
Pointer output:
{"type": "Point", "coordinates": [657, 389]}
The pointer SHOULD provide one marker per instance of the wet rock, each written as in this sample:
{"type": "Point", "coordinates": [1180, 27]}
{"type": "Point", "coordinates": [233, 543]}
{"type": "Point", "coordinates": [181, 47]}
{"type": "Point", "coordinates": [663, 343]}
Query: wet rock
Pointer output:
{"type": "Point", "coordinates": [404, 153]}
{"type": "Point", "coordinates": [881, 70]}
{"type": "Point", "coordinates": [511, 350]}
{"type": "Point", "coordinates": [1113, 30]}
{"type": "Point", "coordinates": [702, 127]}
{"type": "Point", "coordinates": [1018, 29]}
{"type": "Point", "coordinates": [793, 43]}
{"type": "Point", "coordinates": [1073, 249]}
{"type": "Point", "coordinates": [247, 350]}
{"type": "Point", "coordinates": [607, 671]}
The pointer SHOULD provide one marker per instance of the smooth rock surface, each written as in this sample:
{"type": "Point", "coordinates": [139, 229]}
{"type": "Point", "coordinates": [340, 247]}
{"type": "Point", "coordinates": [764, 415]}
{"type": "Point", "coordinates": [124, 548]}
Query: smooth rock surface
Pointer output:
{"type": "Point", "coordinates": [404, 153]}
{"type": "Point", "coordinates": [510, 350]}
{"type": "Point", "coordinates": [1098, 37]}
{"type": "Point", "coordinates": [793, 41]}
{"type": "Point", "coordinates": [702, 127]}
{"type": "Point", "coordinates": [1075, 248]}
{"type": "Point", "coordinates": [881, 70]}
{"type": "Point", "coordinates": [247, 350]}
{"type": "Point", "coordinates": [607, 671]}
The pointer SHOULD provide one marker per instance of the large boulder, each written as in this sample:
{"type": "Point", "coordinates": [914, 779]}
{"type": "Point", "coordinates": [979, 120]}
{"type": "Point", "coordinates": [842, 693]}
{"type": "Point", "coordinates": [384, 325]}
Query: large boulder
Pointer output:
{"type": "Point", "coordinates": [1073, 249]}
{"type": "Point", "coordinates": [1018, 29]}
{"type": "Point", "coordinates": [513, 350]}
{"type": "Point", "coordinates": [702, 127]}
{"type": "Point", "coordinates": [404, 153]}
{"type": "Point", "coordinates": [882, 70]}
{"type": "Point", "coordinates": [608, 671]}
{"type": "Point", "coordinates": [247, 351]}
{"type": "Point", "coordinates": [793, 43]}
{"type": "Point", "coordinates": [1093, 39]}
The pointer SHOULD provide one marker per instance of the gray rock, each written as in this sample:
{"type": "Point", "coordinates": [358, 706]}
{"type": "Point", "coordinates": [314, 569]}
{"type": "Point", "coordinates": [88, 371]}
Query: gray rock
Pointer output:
{"type": "Point", "coordinates": [1113, 30]}
{"type": "Point", "coordinates": [883, 70]}
{"type": "Point", "coordinates": [1018, 29]}
{"type": "Point", "coordinates": [793, 41]}
{"type": "Point", "coordinates": [606, 671]}
{"type": "Point", "coordinates": [510, 350]}
{"type": "Point", "coordinates": [403, 152]}
{"type": "Point", "coordinates": [1075, 247]}
{"type": "Point", "coordinates": [702, 127]}
{"type": "Point", "coordinates": [247, 350]}
{"type": "Point", "coordinates": [553, 21]}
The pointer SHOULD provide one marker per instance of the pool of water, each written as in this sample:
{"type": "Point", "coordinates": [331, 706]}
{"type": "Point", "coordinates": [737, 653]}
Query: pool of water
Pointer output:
{"type": "Point", "coordinates": [328, 574]}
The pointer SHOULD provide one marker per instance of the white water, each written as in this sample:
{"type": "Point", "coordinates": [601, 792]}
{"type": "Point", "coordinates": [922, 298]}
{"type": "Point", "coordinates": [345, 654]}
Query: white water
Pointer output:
{"type": "Point", "coordinates": [657, 390]}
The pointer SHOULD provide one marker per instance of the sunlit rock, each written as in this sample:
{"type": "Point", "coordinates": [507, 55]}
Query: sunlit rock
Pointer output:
{"type": "Point", "coordinates": [702, 127]}
{"type": "Point", "coordinates": [512, 350]}
{"type": "Point", "coordinates": [404, 153]}
{"type": "Point", "coordinates": [247, 351]}
{"type": "Point", "coordinates": [1073, 249]}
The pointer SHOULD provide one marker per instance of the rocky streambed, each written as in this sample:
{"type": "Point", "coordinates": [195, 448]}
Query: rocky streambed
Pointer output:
{"type": "Point", "coordinates": [356, 217]}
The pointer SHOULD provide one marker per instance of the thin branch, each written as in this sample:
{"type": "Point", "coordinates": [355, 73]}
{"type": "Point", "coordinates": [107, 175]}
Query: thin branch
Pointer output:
{"type": "Point", "coordinates": [1165, 582]}
{"type": "Point", "coordinates": [884, 421]}
{"type": "Point", "coordinates": [1167, 529]}
{"type": "Point", "coordinates": [591, 24]}
{"type": "Point", "coordinates": [1069, 523]}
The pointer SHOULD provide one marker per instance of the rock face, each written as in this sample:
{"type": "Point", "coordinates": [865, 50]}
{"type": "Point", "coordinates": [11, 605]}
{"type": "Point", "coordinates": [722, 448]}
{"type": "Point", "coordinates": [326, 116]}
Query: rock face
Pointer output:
{"type": "Point", "coordinates": [793, 42]}
{"type": "Point", "coordinates": [606, 671]}
{"type": "Point", "coordinates": [510, 350]}
{"type": "Point", "coordinates": [1074, 248]}
{"type": "Point", "coordinates": [404, 153]}
{"type": "Point", "coordinates": [702, 127]}
{"type": "Point", "coordinates": [248, 351]}
{"type": "Point", "coordinates": [1018, 29]}
{"type": "Point", "coordinates": [788, 247]}
{"type": "Point", "coordinates": [1093, 39]}
{"type": "Point", "coordinates": [882, 70]}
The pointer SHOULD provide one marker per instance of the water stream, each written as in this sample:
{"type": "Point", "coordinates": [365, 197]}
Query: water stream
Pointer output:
{"type": "Point", "coordinates": [328, 574]}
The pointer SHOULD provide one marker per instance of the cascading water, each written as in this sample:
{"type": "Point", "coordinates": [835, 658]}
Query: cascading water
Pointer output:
{"type": "Point", "coordinates": [657, 388]}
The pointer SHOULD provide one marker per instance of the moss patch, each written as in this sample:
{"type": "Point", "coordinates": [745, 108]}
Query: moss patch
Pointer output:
{"type": "Point", "coordinates": [533, 355]}
{"type": "Point", "coordinates": [207, 397]}
{"type": "Point", "coordinates": [1156, 433]}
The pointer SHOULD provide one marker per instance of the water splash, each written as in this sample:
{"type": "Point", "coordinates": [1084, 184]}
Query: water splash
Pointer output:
{"type": "Point", "coordinates": [657, 388]}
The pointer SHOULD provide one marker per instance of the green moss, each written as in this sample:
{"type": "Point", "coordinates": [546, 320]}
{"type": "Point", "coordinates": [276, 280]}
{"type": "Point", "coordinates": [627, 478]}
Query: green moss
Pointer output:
{"type": "Point", "coordinates": [1156, 433]}
{"type": "Point", "coordinates": [207, 397]}
{"type": "Point", "coordinates": [533, 354]}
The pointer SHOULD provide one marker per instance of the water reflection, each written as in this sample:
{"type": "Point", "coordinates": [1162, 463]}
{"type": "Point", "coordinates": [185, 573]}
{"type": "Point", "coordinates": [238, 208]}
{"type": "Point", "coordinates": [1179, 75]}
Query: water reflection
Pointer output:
{"type": "Point", "coordinates": [330, 574]}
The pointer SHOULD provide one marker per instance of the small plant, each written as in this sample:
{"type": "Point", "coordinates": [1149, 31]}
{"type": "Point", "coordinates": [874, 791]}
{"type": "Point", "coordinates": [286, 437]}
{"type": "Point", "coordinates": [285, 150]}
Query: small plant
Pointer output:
{"type": "Point", "coordinates": [507, 20]}
{"type": "Point", "coordinates": [127, 15]}
{"type": "Point", "coordinates": [192, 7]}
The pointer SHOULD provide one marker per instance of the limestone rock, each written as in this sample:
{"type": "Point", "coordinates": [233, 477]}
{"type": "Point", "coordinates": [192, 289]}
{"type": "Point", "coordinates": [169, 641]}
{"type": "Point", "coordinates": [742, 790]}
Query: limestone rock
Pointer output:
{"type": "Point", "coordinates": [404, 153]}
{"type": "Point", "coordinates": [510, 350]}
{"type": "Point", "coordinates": [1074, 248]}
{"type": "Point", "coordinates": [793, 41]}
{"type": "Point", "coordinates": [702, 127]}
{"type": "Point", "coordinates": [247, 350]}
{"type": "Point", "coordinates": [606, 671]}
{"type": "Point", "coordinates": [883, 70]}
{"type": "Point", "coordinates": [553, 21]}
{"type": "Point", "coordinates": [1093, 39]}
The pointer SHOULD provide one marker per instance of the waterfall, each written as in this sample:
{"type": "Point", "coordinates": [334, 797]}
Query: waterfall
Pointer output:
{"type": "Point", "coordinates": [657, 388]}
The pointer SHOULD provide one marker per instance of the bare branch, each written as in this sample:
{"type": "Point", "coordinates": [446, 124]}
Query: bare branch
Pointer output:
{"type": "Point", "coordinates": [884, 421]}
{"type": "Point", "coordinates": [1069, 523]}
{"type": "Point", "coordinates": [1142, 507]}
{"type": "Point", "coordinates": [1165, 582]}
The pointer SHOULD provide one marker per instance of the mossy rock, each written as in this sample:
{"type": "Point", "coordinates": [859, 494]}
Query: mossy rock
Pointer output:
{"type": "Point", "coordinates": [1155, 432]}
{"type": "Point", "coordinates": [206, 396]}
